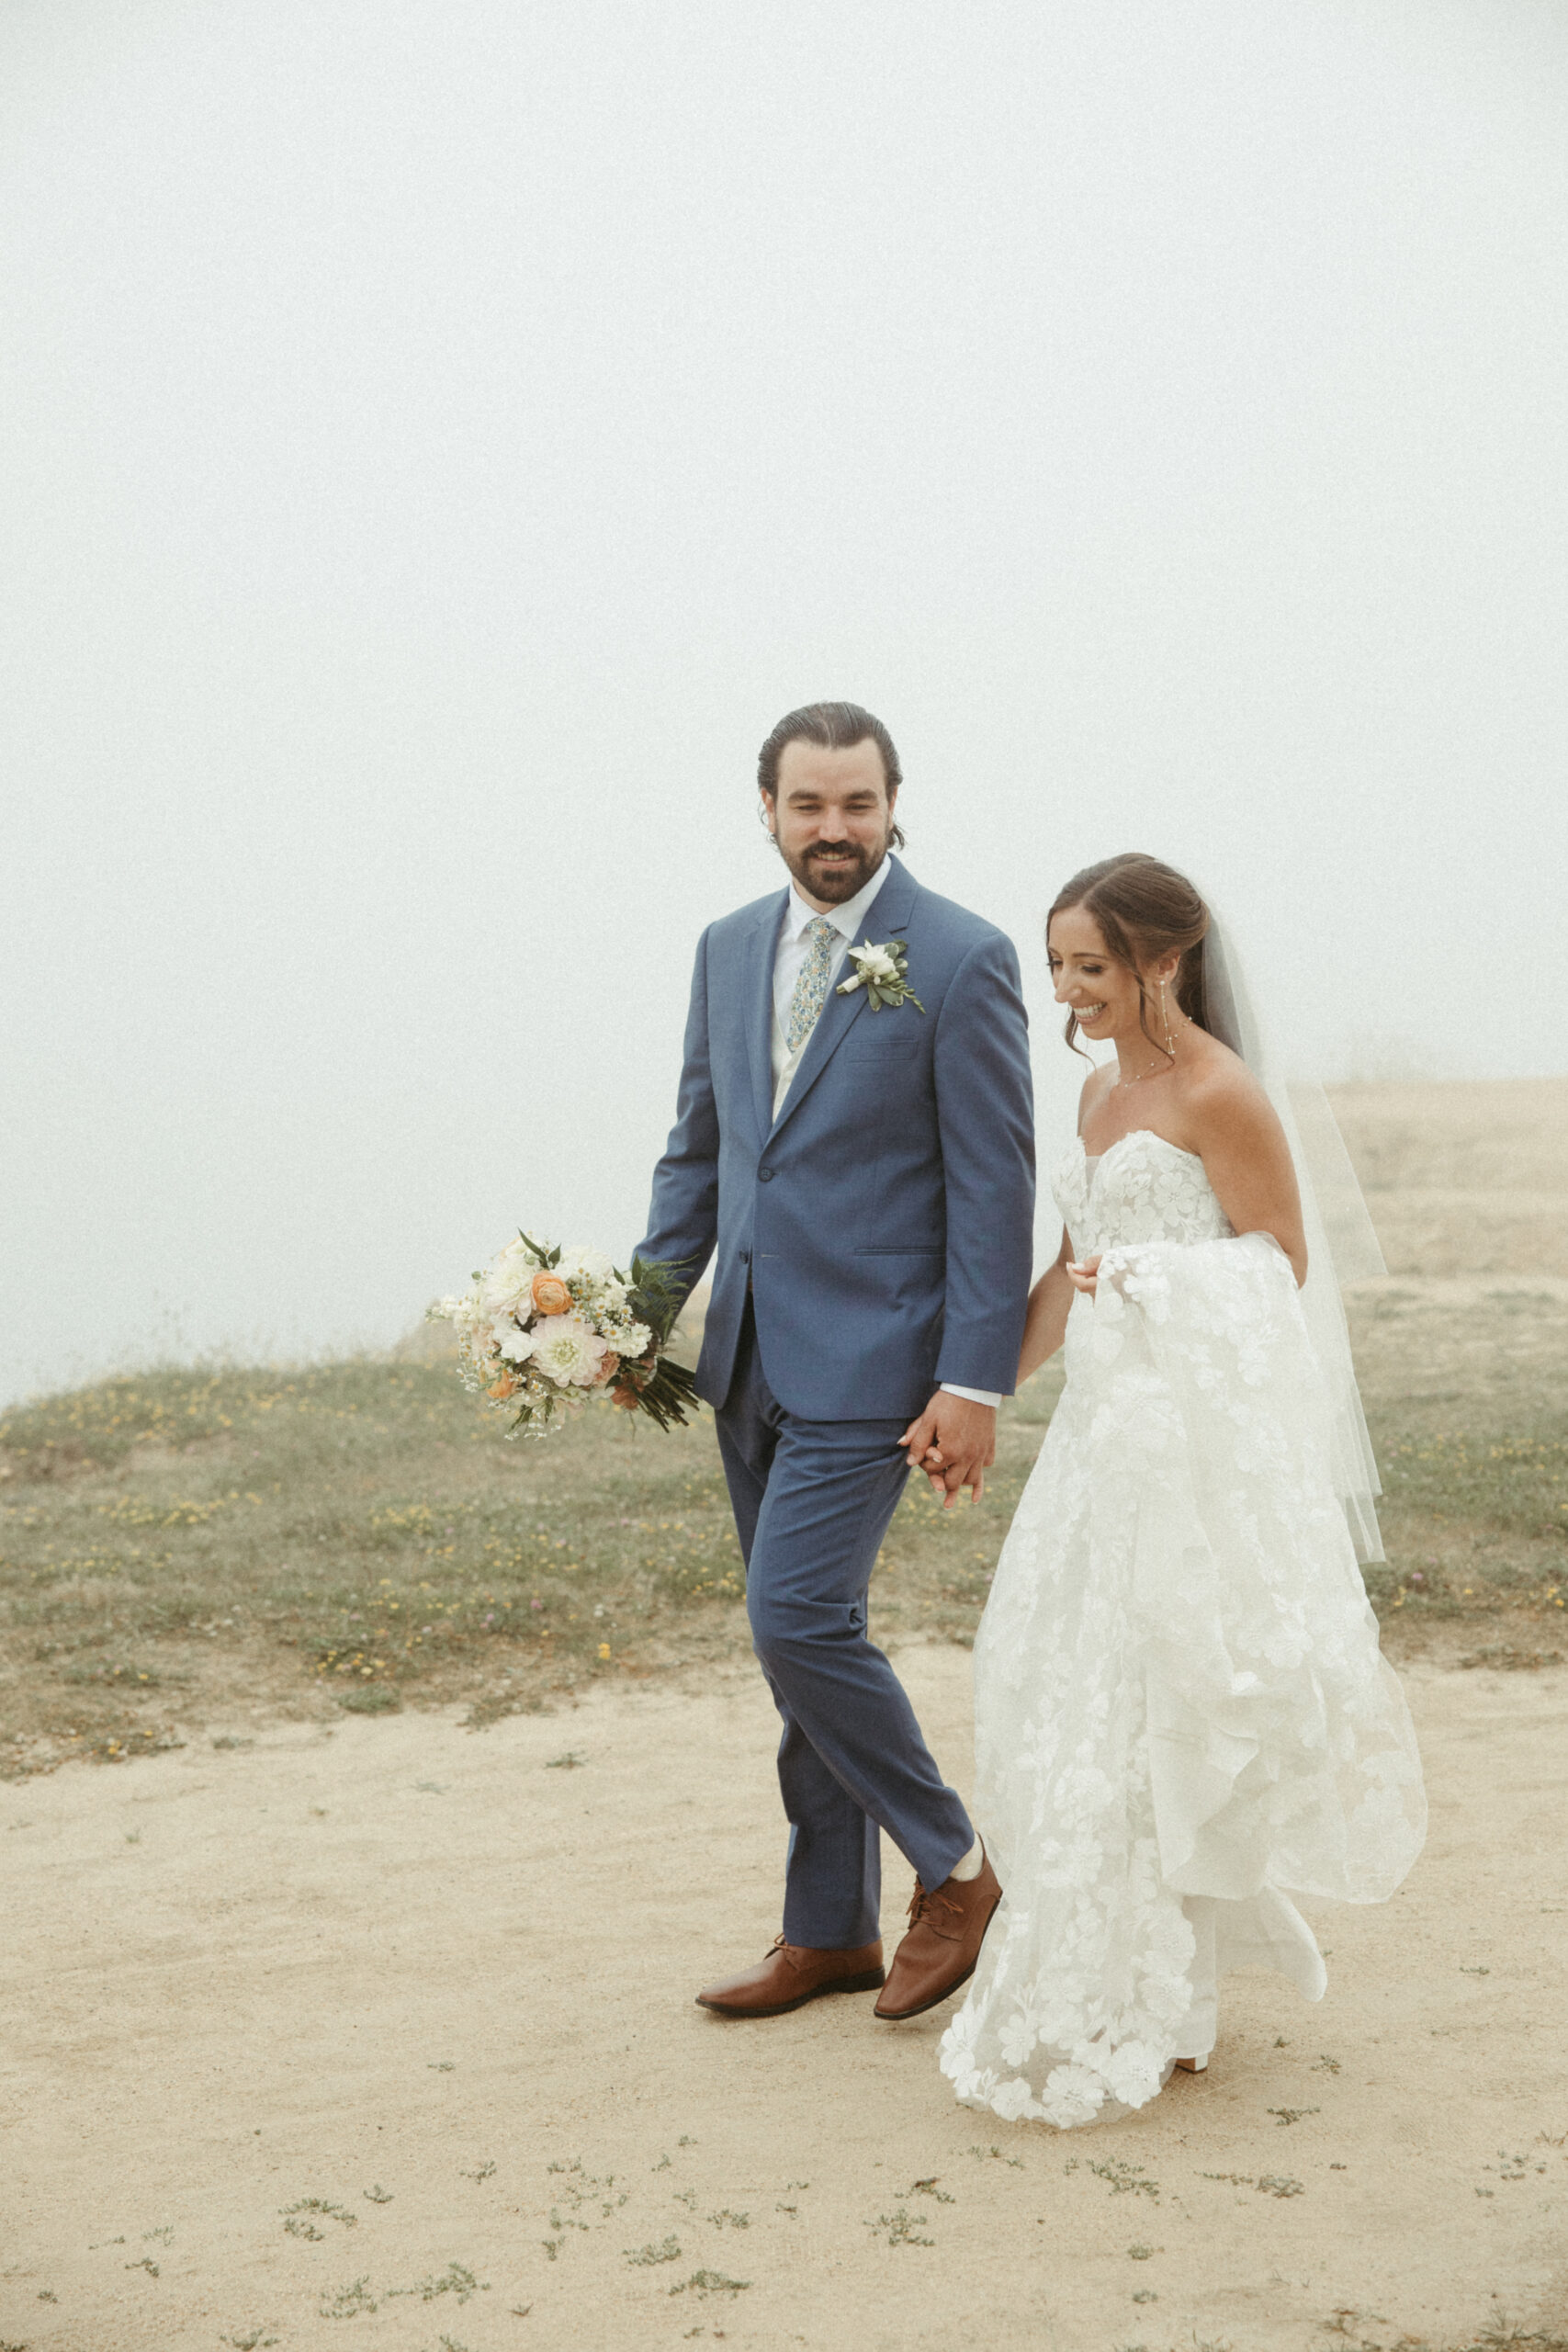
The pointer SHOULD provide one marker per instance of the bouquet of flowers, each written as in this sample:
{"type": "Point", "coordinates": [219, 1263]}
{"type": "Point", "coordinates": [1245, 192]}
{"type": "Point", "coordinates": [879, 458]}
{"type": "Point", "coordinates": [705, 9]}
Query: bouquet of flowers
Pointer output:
{"type": "Point", "coordinates": [543, 1328]}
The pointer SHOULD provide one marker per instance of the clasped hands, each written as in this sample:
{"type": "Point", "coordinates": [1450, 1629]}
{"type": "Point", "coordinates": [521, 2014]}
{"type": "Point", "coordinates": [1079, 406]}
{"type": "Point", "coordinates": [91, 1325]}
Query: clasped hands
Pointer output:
{"type": "Point", "coordinates": [954, 1440]}
{"type": "Point", "coordinates": [954, 1443]}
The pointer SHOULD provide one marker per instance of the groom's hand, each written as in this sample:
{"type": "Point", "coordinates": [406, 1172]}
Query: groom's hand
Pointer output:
{"type": "Point", "coordinates": [954, 1443]}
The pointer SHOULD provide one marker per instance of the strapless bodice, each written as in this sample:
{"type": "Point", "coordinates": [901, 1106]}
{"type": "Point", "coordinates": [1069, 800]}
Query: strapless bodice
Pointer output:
{"type": "Point", "coordinates": [1143, 1189]}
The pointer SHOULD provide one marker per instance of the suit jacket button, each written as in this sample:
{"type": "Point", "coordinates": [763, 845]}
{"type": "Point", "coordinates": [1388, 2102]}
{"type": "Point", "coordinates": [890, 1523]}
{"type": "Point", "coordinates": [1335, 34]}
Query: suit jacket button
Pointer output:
{"type": "Point", "coordinates": [764, 1175]}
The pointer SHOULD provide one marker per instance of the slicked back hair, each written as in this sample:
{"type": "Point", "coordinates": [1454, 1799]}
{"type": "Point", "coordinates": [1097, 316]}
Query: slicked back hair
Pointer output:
{"type": "Point", "coordinates": [834, 727]}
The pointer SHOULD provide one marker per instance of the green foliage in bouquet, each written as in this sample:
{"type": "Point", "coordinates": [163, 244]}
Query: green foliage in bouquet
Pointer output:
{"type": "Point", "coordinates": [668, 1394]}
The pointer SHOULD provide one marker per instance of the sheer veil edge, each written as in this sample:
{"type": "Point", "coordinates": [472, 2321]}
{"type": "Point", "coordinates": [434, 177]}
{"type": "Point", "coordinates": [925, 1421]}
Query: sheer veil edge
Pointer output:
{"type": "Point", "coordinates": [1342, 1243]}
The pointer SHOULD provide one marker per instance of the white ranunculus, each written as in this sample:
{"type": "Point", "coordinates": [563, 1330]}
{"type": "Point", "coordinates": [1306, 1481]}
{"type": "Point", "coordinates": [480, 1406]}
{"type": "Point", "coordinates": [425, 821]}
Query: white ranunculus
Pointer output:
{"type": "Point", "coordinates": [515, 1345]}
{"type": "Point", "coordinates": [505, 1281]}
{"type": "Point", "coordinates": [592, 1263]}
{"type": "Point", "coordinates": [566, 1350]}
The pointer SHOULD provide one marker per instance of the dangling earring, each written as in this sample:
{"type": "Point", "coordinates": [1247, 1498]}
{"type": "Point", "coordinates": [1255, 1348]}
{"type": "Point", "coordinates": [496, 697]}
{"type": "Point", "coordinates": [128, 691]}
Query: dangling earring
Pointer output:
{"type": "Point", "coordinates": [1165, 1016]}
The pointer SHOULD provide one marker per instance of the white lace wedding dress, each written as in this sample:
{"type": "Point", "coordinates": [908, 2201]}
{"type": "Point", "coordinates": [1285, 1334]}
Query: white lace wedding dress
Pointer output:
{"type": "Point", "coordinates": [1182, 1718]}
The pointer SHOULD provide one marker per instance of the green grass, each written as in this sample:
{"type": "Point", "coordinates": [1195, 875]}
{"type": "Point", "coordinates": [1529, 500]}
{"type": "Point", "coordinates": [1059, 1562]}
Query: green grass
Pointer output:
{"type": "Point", "coordinates": [180, 1546]}
{"type": "Point", "coordinates": [1475, 1524]}
{"type": "Point", "coordinates": [358, 1528]}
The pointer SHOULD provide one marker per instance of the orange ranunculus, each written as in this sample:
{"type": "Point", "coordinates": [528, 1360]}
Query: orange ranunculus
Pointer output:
{"type": "Point", "coordinates": [503, 1388]}
{"type": "Point", "coordinates": [551, 1295]}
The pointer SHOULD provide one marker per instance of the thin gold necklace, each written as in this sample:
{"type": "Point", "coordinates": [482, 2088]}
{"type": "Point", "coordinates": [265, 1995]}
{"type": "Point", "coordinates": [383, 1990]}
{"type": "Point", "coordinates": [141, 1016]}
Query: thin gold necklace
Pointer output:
{"type": "Point", "coordinates": [1153, 1070]}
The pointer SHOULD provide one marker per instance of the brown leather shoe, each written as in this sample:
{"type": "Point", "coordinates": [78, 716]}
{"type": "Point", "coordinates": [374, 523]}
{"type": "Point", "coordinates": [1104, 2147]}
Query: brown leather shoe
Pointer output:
{"type": "Point", "coordinates": [939, 1953]}
{"type": "Point", "coordinates": [793, 1974]}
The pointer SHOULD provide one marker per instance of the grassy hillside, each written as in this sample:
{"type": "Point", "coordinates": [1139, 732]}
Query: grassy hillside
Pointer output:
{"type": "Point", "coordinates": [196, 1547]}
{"type": "Point", "coordinates": [182, 1546]}
{"type": "Point", "coordinates": [186, 1548]}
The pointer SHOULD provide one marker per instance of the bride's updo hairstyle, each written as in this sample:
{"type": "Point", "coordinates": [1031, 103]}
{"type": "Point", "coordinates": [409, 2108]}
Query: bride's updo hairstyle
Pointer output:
{"type": "Point", "coordinates": [1144, 909]}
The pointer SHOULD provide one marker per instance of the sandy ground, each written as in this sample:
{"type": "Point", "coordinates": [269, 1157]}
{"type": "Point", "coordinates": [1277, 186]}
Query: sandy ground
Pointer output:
{"type": "Point", "coordinates": [1463, 1177]}
{"type": "Point", "coordinates": [420, 1975]}
{"type": "Point", "coordinates": [382, 2034]}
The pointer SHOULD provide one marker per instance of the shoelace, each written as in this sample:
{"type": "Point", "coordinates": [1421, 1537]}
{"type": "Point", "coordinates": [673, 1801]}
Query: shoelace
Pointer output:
{"type": "Point", "coordinates": [921, 1902]}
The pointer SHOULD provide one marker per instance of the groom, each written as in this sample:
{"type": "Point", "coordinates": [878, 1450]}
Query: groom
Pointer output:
{"type": "Point", "coordinates": [863, 1179]}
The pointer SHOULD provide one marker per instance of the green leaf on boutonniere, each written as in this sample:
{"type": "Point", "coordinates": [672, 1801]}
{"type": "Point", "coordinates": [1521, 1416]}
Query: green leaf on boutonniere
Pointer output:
{"type": "Point", "coordinates": [883, 972]}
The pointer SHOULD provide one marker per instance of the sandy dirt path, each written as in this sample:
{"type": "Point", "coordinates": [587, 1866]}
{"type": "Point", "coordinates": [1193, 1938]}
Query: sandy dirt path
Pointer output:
{"type": "Point", "coordinates": [443, 1989]}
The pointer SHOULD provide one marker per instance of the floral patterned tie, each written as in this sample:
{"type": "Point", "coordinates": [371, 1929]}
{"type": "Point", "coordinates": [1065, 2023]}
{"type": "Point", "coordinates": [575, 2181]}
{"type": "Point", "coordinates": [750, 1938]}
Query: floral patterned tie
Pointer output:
{"type": "Point", "coordinates": [811, 988]}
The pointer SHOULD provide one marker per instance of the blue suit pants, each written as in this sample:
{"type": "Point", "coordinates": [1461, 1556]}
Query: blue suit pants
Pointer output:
{"type": "Point", "coordinates": [812, 1502]}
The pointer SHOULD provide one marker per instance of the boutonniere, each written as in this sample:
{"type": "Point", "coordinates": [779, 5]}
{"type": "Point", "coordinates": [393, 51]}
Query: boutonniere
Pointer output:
{"type": "Point", "coordinates": [882, 973]}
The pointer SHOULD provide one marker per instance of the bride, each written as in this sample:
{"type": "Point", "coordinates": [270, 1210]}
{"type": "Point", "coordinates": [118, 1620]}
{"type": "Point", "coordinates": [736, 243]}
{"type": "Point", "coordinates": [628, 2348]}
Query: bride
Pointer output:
{"type": "Point", "coordinates": [1182, 1719]}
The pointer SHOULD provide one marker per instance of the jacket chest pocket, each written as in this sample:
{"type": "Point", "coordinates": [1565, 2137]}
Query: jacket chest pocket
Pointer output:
{"type": "Point", "coordinates": [884, 1037]}
{"type": "Point", "coordinates": [884, 1068]}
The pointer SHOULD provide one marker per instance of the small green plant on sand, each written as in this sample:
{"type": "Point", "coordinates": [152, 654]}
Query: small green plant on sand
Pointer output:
{"type": "Point", "coordinates": [350, 2300]}
{"type": "Point", "coordinates": [900, 2228]}
{"type": "Point", "coordinates": [455, 2279]}
{"type": "Point", "coordinates": [299, 2219]}
{"type": "Point", "coordinates": [1125, 2179]}
{"type": "Point", "coordinates": [711, 2282]}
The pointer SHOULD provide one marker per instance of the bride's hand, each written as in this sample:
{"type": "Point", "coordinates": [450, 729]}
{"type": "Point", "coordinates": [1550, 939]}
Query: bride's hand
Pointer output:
{"type": "Point", "coordinates": [1085, 1276]}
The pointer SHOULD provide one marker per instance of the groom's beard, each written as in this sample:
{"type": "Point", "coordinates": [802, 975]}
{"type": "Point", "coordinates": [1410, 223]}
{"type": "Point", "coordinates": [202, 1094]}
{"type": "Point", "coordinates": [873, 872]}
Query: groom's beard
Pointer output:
{"type": "Point", "coordinates": [834, 879]}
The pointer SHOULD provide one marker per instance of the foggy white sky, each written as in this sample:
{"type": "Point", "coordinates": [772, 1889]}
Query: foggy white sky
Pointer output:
{"type": "Point", "coordinates": [438, 441]}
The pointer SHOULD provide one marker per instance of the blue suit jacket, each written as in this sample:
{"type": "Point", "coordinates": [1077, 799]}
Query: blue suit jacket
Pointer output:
{"type": "Point", "coordinates": [885, 1222]}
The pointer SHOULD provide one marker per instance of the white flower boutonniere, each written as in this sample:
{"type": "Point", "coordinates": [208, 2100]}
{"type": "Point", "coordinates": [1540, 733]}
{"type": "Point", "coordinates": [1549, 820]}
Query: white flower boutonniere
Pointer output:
{"type": "Point", "coordinates": [882, 973]}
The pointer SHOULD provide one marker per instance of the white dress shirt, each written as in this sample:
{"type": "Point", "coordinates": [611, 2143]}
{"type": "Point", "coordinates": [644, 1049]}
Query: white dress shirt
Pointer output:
{"type": "Point", "coordinates": [789, 961]}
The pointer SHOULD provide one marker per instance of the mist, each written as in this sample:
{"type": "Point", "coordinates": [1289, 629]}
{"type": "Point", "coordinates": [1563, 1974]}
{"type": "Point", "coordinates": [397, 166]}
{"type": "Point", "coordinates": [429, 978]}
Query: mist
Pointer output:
{"type": "Point", "coordinates": [438, 443]}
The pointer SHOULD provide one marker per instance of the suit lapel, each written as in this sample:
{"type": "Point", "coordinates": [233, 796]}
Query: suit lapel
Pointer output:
{"type": "Point", "coordinates": [759, 1009]}
{"type": "Point", "coordinates": [888, 919]}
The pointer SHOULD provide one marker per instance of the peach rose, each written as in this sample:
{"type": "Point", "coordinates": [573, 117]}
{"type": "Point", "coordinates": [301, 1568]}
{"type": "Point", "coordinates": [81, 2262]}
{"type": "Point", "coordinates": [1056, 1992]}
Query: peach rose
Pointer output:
{"type": "Point", "coordinates": [610, 1363]}
{"type": "Point", "coordinates": [503, 1388]}
{"type": "Point", "coordinates": [550, 1295]}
